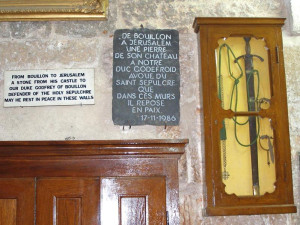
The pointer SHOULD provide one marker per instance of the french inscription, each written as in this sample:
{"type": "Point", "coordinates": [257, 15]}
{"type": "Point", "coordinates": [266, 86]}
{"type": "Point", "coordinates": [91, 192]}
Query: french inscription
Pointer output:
{"type": "Point", "coordinates": [49, 87]}
{"type": "Point", "coordinates": [146, 77]}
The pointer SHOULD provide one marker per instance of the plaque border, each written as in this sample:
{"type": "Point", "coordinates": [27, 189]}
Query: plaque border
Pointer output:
{"type": "Point", "coordinates": [45, 10]}
{"type": "Point", "coordinates": [149, 121]}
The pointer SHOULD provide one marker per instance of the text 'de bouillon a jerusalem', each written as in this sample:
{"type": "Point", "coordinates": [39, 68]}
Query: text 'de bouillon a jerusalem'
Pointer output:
{"type": "Point", "coordinates": [146, 77]}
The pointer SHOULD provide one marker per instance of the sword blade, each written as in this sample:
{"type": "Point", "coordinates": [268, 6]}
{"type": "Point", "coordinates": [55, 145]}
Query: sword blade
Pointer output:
{"type": "Point", "coordinates": [252, 119]}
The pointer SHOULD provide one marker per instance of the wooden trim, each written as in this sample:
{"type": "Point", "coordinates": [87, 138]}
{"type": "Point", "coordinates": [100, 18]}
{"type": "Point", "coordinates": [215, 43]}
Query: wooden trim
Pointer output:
{"type": "Point", "coordinates": [250, 210]}
{"type": "Point", "coordinates": [199, 21]}
{"type": "Point", "coordinates": [99, 142]}
{"type": "Point", "coordinates": [91, 148]}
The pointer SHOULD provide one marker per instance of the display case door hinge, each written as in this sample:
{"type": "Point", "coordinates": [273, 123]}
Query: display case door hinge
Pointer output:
{"type": "Point", "coordinates": [285, 174]}
{"type": "Point", "coordinates": [277, 54]}
{"type": "Point", "coordinates": [213, 197]}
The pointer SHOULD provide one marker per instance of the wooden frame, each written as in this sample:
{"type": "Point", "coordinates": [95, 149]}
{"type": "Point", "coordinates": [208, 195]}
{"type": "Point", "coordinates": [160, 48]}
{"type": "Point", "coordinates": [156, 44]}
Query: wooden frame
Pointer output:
{"type": "Point", "coordinates": [218, 202]}
{"type": "Point", "coordinates": [66, 162]}
{"type": "Point", "coordinates": [36, 10]}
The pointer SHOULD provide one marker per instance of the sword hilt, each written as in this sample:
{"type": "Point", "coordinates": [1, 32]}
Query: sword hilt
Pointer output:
{"type": "Point", "coordinates": [248, 51]}
{"type": "Point", "coordinates": [247, 45]}
{"type": "Point", "coordinates": [243, 56]}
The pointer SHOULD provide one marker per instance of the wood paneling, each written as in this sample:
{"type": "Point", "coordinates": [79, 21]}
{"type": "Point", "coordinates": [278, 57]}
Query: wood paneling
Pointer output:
{"type": "Point", "coordinates": [144, 199]}
{"type": "Point", "coordinates": [67, 177]}
{"type": "Point", "coordinates": [16, 201]}
{"type": "Point", "coordinates": [68, 211]}
{"type": "Point", "coordinates": [68, 201]}
{"type": "Point", "coordinates": [8, 211]}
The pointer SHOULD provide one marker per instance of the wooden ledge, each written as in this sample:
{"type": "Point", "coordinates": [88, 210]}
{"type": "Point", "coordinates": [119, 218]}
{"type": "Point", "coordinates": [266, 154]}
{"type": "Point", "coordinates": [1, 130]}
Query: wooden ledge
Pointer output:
{"type": "Point", "coordinates": [92, 148]}
{"type": "Point", "coordinates": [258, 21]}
{"type": "Point", "coordinates": [251, 210]}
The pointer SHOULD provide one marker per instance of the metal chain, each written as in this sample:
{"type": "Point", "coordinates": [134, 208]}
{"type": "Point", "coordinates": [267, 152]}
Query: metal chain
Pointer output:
{"type": "Point", "coordinates": [225, 173]}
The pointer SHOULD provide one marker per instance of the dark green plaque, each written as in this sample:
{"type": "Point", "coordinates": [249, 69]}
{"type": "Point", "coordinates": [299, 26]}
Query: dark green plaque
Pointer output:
{"type": "Point", "coordinates": [146, 77]}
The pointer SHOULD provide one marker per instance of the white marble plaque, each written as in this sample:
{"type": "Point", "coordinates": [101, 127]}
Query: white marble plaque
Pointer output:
{"type": "Point", "coordinates": [48, 87]}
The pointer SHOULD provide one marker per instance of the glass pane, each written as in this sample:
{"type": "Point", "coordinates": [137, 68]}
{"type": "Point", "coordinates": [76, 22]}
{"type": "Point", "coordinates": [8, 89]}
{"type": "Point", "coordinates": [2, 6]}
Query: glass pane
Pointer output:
{"type": "Point", "coordinates": [243, 74]}
{"type": "Point", "coordinates": [247, 156]}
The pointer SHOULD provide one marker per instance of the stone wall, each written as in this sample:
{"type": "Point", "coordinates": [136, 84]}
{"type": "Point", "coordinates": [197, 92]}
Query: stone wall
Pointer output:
{"type": "Point", "coordinates": [88, 44]}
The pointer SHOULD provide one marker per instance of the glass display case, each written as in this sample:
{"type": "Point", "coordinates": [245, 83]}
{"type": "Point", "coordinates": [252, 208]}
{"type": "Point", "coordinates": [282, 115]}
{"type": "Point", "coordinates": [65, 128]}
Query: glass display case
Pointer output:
{"type": "Point", "coordinates": [247, 151]}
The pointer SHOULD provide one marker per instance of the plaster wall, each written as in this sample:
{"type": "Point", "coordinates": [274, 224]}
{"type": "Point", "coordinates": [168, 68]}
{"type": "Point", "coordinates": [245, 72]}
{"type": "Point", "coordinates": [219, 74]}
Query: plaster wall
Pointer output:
{"type": "Point", "coordinates": [89, 44]}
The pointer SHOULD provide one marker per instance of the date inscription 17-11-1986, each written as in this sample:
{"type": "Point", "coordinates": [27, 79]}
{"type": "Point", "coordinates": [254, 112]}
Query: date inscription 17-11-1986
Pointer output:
{"type": "Point", "coordinates": [146, 77]}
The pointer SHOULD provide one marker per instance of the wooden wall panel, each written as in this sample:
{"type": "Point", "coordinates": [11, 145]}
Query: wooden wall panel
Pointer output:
{"type": "Point", "coordinates": [8, 211]}
{"type": "Point", "coordinates": [76, 198]}
{"type": "Point", "coordinates": [147, 204]}
{"type": "Point", "coordinates": [17, 201]}
{"type": "Point", "coordinates": [68, 211]}
{"type": "Point", "coordinates": [63, 179]}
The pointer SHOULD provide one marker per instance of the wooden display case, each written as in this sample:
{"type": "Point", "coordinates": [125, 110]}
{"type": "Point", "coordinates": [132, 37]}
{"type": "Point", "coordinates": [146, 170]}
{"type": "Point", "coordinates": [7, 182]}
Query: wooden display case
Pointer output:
{"type": "Point", "coordinates": [247, 150]}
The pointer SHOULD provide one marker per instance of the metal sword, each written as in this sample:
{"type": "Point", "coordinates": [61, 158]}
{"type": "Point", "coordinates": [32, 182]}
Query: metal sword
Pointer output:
{"type": "Point", "coordinates": [248, 58]}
